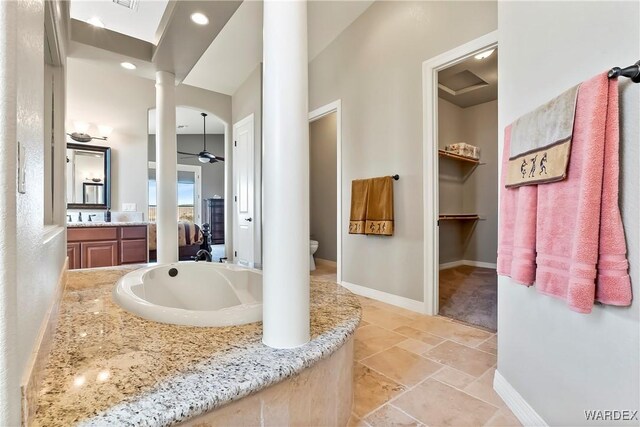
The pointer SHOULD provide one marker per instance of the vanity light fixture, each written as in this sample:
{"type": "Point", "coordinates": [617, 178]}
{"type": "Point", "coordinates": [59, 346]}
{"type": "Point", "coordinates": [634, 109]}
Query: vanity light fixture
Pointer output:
{"type": "Point", "coordinates": [81, 128]}
{"type": "Point", "coordinates": [128, 65]}
{"type": "Point", "coordinates": [199, 18]}
{"type": "Point", "coordinates": [95, 21]}
{"type": "Point", "coordinates": [485, 54]}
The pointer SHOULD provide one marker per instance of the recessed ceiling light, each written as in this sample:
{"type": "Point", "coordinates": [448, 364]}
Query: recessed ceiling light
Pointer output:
{"type": "Point", "coordinates": [485, 54]}
{"type": "Point", "coordinates": [128, 65]}
{"type": "Point", "coordinates": [96, 22]}
{"type": "Point", "coordinates": [199, 18]}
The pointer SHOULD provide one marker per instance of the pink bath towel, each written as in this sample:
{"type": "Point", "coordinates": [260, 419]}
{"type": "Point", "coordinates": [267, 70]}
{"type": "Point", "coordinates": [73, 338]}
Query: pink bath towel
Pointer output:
{"type": "Point", "coordinates": [567, 236]}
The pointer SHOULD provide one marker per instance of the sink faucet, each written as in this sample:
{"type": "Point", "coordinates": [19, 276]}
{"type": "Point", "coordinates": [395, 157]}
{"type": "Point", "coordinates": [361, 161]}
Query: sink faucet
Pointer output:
{"type": "Point", "coordinates": [203, 254]}
{"type": "Point", "coordinates": [69, 218]}
{"type": "Point", "coordinates": [91, 216]}
{"type": "Point", "coordinates": [79, 216]}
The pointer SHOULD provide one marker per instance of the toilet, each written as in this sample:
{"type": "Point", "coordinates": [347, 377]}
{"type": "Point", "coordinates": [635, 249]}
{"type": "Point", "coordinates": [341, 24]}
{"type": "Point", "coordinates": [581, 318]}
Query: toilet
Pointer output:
{"type": "Point", "coordinates": [313, 247]}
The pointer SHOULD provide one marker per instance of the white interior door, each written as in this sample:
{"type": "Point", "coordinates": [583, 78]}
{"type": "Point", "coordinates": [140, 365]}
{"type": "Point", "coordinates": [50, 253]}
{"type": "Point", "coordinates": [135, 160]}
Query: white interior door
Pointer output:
{"type": "Point", "coordinates": [243, 167]}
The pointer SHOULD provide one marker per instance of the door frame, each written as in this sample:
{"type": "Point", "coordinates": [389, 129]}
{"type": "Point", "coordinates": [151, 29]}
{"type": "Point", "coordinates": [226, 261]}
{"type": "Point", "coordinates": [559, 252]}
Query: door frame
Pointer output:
{"type": "Point", "coordinates": [197, 171]}
{"type": "Point", "coordinates": [430, 69]}
{"type": "Point", "coordinates": [318, 113]}
{"type": "Point", "coordinates": [257, 228]}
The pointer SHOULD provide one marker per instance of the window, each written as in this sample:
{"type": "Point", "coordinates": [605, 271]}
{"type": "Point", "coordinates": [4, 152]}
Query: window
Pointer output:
{"type": "Point", "coordinates": [189, 188]}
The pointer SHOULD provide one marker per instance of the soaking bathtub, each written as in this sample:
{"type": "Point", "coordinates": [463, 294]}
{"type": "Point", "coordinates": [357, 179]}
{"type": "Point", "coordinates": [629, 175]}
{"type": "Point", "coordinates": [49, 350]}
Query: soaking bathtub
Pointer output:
{"type": "Point", "coordinates": [193, 293]}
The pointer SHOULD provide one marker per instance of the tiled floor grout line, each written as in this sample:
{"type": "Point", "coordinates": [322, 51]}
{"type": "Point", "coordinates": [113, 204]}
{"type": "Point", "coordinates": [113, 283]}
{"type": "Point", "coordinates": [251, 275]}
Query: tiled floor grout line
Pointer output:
{"type": "Point", "coordinates": [407, 414]}
{"type": "Point", "coordinates": [379, 305]}
{"type": "Point", "coordinates": [469, 394]}
{"type": "Point", "coordinates": [405, 391]}
{"type": "Point", "coordinates": [442, 366]}
{"type": "Point", "coordinates": [431, 333]}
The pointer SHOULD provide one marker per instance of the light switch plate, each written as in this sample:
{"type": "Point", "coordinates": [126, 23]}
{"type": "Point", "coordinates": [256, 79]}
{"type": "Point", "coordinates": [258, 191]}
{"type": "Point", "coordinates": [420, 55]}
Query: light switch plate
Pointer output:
{"type": "Point", "coordinates": [129, 207]}
{"type": "Point", "coordinates": [22, 175]}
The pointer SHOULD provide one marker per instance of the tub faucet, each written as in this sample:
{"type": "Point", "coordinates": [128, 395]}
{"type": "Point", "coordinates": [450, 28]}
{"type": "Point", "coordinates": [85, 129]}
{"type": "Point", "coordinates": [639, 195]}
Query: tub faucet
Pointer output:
{"type": "Point", "coordinates": [203, 255]}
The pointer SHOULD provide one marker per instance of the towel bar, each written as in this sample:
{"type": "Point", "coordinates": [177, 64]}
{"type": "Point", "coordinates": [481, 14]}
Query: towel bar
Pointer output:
{"type": "Point", "coordinates": [632, 71]}
{"type": "Point", "coordinates": [396, 177]}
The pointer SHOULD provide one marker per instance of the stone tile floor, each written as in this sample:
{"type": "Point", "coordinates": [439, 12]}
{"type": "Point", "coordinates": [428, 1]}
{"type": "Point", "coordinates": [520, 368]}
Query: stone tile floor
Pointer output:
{"type": "Point", "coordinates": [416, 370]}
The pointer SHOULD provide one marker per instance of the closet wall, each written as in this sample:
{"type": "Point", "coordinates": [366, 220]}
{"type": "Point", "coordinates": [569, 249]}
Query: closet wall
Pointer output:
{"type": "Point", "coordinates": [478, 193]}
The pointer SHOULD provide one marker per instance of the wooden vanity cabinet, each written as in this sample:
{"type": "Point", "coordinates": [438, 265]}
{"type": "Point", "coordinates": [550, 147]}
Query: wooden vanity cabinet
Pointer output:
{"type": "Point", "coordinates": [73, 252]}
{"type": "Point", "coordinates": [90, 247]}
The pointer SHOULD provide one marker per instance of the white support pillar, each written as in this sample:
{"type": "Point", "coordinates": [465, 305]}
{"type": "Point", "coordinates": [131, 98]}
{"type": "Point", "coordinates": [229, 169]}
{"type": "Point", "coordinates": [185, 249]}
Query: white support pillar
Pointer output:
{"type": "Point", "coordinates": [285, 175]}
{"type": "Point", "coordinates": [166, 168]}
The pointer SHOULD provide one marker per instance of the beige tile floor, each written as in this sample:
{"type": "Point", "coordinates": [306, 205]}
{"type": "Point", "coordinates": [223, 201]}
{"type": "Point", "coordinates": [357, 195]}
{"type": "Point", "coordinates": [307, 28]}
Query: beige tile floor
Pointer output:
{"type": "Point", "coordinates": [416, 370]}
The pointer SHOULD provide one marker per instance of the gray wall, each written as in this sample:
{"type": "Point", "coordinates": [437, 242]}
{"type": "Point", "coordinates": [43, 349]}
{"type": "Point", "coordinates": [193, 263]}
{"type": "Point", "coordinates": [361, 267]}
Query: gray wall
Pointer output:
{"type": "Point", "coordinates": [30, 264]}
{"type": "Point", "coordinates": [375, 68]}
{"type": "Point", "coordinates": [480, 191]}
{"type": "Point", "coordinates": [463, 191]}
{"type": "Point", "coordinates": [323, 182]}
{"type": "Point", "coordinates": [248, 100]}
{"type": "Point", "coordinates": [212, 173]}
{"type": "Point", "coordinates": [561, 362]}
{"type": "Point", "coordinates": [100, 95]}
{"type": "Point", "coordinates": [451, 233]}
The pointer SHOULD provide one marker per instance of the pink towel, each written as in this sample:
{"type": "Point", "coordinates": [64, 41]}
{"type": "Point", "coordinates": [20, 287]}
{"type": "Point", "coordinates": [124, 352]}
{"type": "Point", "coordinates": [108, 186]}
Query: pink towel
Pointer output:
{"type": "Point", "coordinates": [567, 236]}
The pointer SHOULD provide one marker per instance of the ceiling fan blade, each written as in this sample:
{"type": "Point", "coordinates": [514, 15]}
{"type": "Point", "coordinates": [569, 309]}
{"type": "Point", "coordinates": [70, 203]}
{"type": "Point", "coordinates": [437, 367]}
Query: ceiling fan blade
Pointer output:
{"type": "Point", "coordinates": [188, 154]}
{"type": "Point", "coordinates": [220, 159]}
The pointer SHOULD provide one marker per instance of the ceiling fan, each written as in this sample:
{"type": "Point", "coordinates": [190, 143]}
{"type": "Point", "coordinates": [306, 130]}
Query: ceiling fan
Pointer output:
{"type": "Point", "coordinates": [204, 156]}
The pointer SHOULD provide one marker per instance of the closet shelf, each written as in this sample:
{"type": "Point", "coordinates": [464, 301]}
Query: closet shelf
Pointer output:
{"type": "Point", "coordinates": [471, 160]}
{"type": "Point", "coordinates": [459, 217]}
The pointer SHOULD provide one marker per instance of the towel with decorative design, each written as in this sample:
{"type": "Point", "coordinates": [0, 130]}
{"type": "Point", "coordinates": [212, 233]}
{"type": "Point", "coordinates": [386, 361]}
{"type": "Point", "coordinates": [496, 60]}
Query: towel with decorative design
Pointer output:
{"type": "Point", "coordinates": [541, 142]}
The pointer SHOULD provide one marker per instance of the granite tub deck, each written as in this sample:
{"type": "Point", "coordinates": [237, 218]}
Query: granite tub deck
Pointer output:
{"type": "Point", "coordinates": [110, 367]}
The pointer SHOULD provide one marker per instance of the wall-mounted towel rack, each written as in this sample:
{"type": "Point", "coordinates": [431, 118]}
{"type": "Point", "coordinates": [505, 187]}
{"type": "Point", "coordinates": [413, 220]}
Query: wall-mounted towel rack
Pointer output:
{"type": "Point", "coordinates": [632, 71]}
{"type": "Point", "coordinates": [396, 177]}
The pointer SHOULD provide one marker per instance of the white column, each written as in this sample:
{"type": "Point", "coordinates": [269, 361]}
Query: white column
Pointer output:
{"type": "Point", "coordinates": [285, 175]}
{"type": "Point", "coordinates": [166, 168]}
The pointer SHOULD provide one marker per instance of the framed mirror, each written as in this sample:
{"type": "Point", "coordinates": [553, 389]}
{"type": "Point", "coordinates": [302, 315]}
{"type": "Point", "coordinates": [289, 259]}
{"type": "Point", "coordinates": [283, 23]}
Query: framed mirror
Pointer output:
{"type": "Point", "coordinates": [88, 177]}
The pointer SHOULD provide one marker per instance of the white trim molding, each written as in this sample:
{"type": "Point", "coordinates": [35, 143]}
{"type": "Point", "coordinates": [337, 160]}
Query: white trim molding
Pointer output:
{"type": "Point", "coordinates": [430, 69]}
{"type": "Point", "coordinates": [516, 403]}
{"type": "Point", "coordinates": [397, 300]}
{"type": "Point", "coordinates": [318, 113]}
{"type": "Point", "coordinates": [468, 262]}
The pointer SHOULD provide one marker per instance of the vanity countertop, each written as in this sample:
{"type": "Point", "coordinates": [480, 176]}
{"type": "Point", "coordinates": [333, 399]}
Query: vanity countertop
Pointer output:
{"type": "Point", "coordinates": [110, 367]}
{"type": "Point", "coordinates": [105, 224]}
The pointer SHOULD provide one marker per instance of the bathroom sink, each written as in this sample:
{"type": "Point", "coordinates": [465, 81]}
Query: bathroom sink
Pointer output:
{"type": "Point", "coordinates": [193, 293]}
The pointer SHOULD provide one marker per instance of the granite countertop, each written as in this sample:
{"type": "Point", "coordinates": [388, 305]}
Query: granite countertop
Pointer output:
{"type": "Point", "coordinates": [105, 224]}
{"type": "Point", "coordinates": [110, 367]}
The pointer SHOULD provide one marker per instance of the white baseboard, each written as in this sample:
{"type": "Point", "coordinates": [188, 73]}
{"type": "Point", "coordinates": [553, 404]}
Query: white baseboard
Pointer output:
{"type": "Point", "coordinates": [408, 303]}
{"type": "Point", "coordinates": [520, 408]}
{"type": "Point", "coordinates": [451, 264]}
{"type": "Point", "coordinates": [467, 262]}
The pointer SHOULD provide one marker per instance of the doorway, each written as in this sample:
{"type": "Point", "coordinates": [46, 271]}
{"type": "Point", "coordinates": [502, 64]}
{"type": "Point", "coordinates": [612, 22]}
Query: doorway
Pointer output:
{"type": "Point", "coordinates": [325, 191]}
{"type": "Point", "coordinates": [201, 182]}
{"type": "Point", "coordinates": [461, 183]}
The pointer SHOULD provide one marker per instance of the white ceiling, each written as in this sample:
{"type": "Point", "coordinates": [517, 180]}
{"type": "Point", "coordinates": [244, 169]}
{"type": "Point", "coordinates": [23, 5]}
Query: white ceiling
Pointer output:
{"type": "Point", "coordinates": [191, 119]}
{"type": "Point", "coordinates": [237, 50]}
{"type": "Point", "coordinates": [141, 23]}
